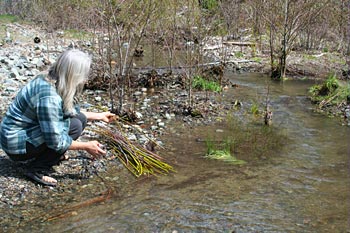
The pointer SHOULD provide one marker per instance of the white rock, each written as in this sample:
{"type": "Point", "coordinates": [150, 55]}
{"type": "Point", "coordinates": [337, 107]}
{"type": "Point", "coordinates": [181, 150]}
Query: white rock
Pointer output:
{"type": "Point", "coordinates": [132, 137]}
{"type": "Point", "coordinates": [137, 93]}
{"type": "Point", "coordinates": [138, 115]}
{"type": "Point", "coordinates": [167, 116]}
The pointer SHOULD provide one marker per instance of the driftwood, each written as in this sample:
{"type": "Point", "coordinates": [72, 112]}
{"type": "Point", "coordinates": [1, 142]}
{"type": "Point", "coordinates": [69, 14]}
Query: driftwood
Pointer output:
{"type": "Point", "coordinates": [69, 210]}
{"type": "Point", "coordinates": [239, 43]}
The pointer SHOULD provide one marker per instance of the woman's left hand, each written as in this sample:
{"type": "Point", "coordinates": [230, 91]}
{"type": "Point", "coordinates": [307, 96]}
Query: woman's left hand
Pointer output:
{"type": "Point", "coordinates": [100, 116]}
{"type": "Point", "coordinates": [108, 117]}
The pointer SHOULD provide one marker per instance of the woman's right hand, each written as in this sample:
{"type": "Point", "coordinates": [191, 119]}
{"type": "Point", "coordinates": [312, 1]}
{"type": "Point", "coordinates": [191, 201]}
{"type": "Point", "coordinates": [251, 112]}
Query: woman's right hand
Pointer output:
{"type": "Point", "coordinates": [95, 149]}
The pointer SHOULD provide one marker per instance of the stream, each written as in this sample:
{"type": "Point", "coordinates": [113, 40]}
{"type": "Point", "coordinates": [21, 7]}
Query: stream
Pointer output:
{"type": "Point", "coordinates": [305, 187]}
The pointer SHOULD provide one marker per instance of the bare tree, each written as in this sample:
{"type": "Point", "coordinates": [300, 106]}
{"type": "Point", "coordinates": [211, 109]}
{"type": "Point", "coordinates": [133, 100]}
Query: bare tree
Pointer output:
{"type": "Point", "coordinates": [285, 19]}
{"type": "Point", "coordinates": [231, 11]}
{"type": "Point", "coordinates": [125, 23]}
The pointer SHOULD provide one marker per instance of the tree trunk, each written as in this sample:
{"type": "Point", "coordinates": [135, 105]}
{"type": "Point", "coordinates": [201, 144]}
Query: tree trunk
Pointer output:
{"type": "Point", "coordinates": [283, 59]}
{"type": "Point", "coordinates": [281, 69]}
{"type": "Point", "coordinates": [271, 53]}
{"type": "Point", "coordinates": [348, 32]}
{"type": "Point", "coordinates": [347, 37]}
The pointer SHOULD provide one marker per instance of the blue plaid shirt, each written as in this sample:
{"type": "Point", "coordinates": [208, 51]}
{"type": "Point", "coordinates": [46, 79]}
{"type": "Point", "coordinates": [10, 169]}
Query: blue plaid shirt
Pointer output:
{"type": "Point", "coordinates": [35, 116]}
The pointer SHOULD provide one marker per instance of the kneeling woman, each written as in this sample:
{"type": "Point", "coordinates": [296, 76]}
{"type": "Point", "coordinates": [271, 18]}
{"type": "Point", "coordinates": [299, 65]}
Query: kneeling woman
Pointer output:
{"type": "Point", "coordinates": [42, 122]}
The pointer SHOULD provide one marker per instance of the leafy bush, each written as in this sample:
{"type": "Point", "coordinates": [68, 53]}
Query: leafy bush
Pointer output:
{"type": "Point", "coordinates": [330, 92]}
{"type": "Point", "coordinates": [326, 88]}
{"type": "Point", "coordinates": [314, 92]}
{"type": "Point", "coordinates": [331, 83]}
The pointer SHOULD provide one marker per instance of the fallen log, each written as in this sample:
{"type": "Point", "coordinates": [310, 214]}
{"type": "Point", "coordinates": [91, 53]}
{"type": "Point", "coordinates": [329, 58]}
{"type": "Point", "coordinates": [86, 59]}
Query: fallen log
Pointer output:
{"type": "Point", "coordinates": [239, 43]}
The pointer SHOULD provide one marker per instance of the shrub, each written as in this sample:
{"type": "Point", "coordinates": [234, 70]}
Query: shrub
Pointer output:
{"type": "Point", "coordinates": [330, 92]}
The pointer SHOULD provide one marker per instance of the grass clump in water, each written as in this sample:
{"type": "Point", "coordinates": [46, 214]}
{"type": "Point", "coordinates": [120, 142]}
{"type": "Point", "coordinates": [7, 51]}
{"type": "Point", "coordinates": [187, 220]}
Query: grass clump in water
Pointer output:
{"type": "Point", "coordinates": [245, 143]}
{"type": "Point", "coordinates": [222, 152]}
{"type": "Point", "coordinates": [255, 109]}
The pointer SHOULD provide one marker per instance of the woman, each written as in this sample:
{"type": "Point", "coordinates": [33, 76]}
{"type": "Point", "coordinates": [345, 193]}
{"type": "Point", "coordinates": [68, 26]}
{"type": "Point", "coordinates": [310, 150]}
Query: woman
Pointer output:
{"type": "Point", "coordinates": [42, 122]}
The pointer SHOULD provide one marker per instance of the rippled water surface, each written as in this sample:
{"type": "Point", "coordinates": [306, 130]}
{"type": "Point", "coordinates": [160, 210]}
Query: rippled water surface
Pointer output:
{"type": "Point", "coordinates": [304, 188]}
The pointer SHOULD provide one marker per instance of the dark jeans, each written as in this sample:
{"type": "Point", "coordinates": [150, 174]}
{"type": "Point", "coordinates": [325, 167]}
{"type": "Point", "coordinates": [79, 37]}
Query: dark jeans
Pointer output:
{"type": "Point", "coordinates": [44, 157]}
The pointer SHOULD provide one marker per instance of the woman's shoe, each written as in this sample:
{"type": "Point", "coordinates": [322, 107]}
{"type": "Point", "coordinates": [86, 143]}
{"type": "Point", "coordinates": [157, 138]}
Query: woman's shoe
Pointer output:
{"type": "Point", "coordinates": [38, 177]}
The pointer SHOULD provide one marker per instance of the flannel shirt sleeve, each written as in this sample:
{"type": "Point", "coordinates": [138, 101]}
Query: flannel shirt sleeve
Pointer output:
{"type": "Point", "coordinates": [54, 126]}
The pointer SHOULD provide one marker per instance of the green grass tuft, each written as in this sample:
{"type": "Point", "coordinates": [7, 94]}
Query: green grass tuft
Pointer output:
{"type": "Point", "coordinates": [202, 84]}
{"type": "Point", "coordinates": [222, 152]}
{"type": "Point", "coordinates": [76, 34]}
{"type": "Point", "coordinates": [255, 109]}
{"type": "Point", "coordinates": [7, 18]}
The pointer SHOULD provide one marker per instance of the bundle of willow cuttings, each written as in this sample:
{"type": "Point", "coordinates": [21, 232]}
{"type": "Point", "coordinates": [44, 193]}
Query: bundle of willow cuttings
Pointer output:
{"type": "Point", "coordinates": [137, 159]}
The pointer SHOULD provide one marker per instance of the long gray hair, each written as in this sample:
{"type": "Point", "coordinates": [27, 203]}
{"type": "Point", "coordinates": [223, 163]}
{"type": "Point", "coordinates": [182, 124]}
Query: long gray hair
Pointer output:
{"type": "Point", "coordinates": [70, 71]}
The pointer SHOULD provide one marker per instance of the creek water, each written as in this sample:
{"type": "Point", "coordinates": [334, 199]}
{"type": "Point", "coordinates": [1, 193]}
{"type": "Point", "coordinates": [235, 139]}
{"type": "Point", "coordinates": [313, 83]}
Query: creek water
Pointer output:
{"type": "Point", "coordinates": [304, 187]}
